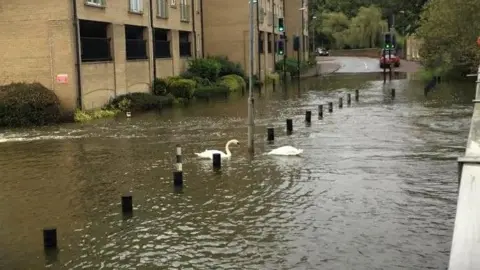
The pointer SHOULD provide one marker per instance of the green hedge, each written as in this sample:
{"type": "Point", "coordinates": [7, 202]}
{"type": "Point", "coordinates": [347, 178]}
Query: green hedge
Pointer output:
{"type": "Point", "coordinates": [182, 88]}
{"type": "Point", "coordinates": [233, 82]}
{"type": "Point", "coordinates": [228, 67]}
{"type": "Point", "coordinates": [207, 92]}
{"type": "Point", "coordinates": [27, 104]}
{"type": "Point", "coordinates": [204, 68]}
{"type": "Point", "coordinates": [140, 102]}
{"type": "Point", "coordinates": [291, 66]}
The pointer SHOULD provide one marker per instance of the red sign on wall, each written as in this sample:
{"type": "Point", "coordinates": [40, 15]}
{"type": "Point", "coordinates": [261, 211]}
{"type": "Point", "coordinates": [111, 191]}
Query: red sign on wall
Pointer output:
{"type": "Point", "coordinates": [62, 78]}
{"type": "Point", "coordinates": [478, 41]}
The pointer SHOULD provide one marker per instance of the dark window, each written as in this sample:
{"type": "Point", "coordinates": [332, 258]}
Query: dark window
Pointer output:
{"type": "Point", "coordinates": [135, 43]}
{"type": "Point", "coordinates": [95, 43]}
{"type": "Point", "coordinates": [261, 43]}
{"type": "Point", "coordinates": [269, 45]}
{"type": "Point", "coordinates": [162, 44]}
{"type": "Point", "coordinates": [185, 44]}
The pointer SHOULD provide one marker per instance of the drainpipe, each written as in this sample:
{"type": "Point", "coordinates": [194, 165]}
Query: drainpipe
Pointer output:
{"type": "Point", "coordinates": [78, 56]}
{"type": "Point", "coordinates": [274, 36]}
{"type": "Point", "coordinates": [153, 43]}
{"type": "Point", "coordinates": [202, 31]}
{"type": "Point", "coordinates": [258, 43]}
{"type": "Point", "coordinates": [193, 29]}
{"type": "Point", "coordinates": [303, 32]}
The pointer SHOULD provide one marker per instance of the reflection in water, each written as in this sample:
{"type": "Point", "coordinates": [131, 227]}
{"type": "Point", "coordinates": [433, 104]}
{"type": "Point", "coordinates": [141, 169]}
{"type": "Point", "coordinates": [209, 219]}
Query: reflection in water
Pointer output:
{"type": "Point", "coordinates": [374, 189]}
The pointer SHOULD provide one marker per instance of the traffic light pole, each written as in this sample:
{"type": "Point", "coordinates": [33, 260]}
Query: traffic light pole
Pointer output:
{"type": "Point", "coordinates": [390, 64]}
{"type": "Point", "coordinates": [251, 123]}
{"type": "Point", "coordinates": [384, 70]}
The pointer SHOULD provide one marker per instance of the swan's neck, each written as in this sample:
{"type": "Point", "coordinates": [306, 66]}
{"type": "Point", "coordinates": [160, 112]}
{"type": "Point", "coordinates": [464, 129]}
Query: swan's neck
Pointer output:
{"type": "Point", "coordinates": [227, 148]}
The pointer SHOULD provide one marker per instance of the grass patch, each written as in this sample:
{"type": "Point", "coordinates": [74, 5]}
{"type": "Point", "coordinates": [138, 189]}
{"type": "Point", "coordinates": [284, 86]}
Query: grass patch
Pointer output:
{"type": "Point", "coordinates": [87, 116]}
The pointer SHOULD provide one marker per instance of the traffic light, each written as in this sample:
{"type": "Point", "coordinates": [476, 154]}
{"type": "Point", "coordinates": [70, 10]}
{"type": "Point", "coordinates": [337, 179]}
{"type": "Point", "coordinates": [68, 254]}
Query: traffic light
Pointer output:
{"type": "Point", "coordinates": [296, 43]}
{"type": "Point", "coordinates": [281, 26]}
{"type": "Point", "coordinates": [388, 40]}
{"type": "Point", "coordinates": [281, 47]}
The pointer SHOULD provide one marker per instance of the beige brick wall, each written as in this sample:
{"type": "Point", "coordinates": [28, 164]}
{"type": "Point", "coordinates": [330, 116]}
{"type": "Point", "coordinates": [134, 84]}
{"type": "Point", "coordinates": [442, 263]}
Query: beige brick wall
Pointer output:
{"type": "Point", "coordinates": [227, 31]}
{"type": "Point", "coordinates": [37, 45]}
{"type": "Point", "coordinates": [293, 26]}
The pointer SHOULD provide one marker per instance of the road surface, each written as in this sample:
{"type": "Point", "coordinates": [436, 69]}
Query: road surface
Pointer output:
{"type": "Point", "coordinates": [349, 64]}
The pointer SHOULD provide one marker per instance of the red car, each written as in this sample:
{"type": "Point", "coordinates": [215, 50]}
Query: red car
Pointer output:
{"type": "Point", "coordinates": [388, 60]}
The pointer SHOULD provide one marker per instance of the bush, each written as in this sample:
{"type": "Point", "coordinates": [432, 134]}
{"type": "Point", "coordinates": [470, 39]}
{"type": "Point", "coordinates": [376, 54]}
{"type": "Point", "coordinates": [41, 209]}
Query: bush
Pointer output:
{"type": "Point", "coordinates": [85, 116]}
{"type": "Point", "coordinates": [291, 66]}
{"type": "Point", "coordinates": [207, 92]}
{"type": "Point", "coordinates": [159, 87]}
{"type": "Point", "coordinates": [228, 67]}
{"type": "Point", "coordinates": [206, 68]}
{"type": "Point", "coordinates": [139, 102]}
{"type": "Point", "coordinates": [233, 82]}
{"type": "Point", "coordinates": [27, 104]}
{"type": "Point", "coordinates": [272, 78]}
{"type": "Point", "coordinates": [182, 88]}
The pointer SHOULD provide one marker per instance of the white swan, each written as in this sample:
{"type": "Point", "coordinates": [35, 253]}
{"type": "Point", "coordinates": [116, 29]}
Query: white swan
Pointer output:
{"type": "Point", "coordinates": [209, 153]}
{"type": "Point", "coordinates": [286, 151]}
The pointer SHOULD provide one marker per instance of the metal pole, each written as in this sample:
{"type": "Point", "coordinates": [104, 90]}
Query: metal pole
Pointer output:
{"type": "Point", "coordinates": [251, 123]}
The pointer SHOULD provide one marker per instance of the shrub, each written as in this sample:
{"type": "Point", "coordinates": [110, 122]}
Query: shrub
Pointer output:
{"type": "Point", "coordinates": [27, 104]}
{"type": "Point", "coordinates": [291, 66]}
{"type": "Point", "coordinates": [233, 82]}
{"type": "Point", "coordinates": [159, 87]}
{"type": "Point", "coordinates": [228, 67]}
{"type": "Point", "coordinates": [272, 78]}
{"type": "Point", "coordinates": [139, 102]}
{"type": "Point", "coordinates": [207, 92]}
{"type": "Point", "coordinates": [85, 116]}
{"type": "Point", "coordinates": [204, 68]}
{"type": "Point", "coordinates": [182, 88]}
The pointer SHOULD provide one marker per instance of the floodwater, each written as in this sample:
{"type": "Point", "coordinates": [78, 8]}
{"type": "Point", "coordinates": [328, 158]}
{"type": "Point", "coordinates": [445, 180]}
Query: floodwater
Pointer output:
{"type": "Point", "coordinates": [375, 188]}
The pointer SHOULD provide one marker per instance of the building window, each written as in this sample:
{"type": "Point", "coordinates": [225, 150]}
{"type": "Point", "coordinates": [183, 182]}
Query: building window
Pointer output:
{"type": "Point", "coordinates": [135, 43]}
{"type": "Point", "coordinates": [136, 6]}
{"type": "Point", "coordinates": [261, 43]}
{"type": "Point", "coordinates": [162, 9]}
{"type": "Point", "coordinates": [173, 3]}
{"type": "Point", "coordinates": [185, 44]}
{"type": "Point", "coordinates": [99, 3]}
{"type": "Point", "coordinates": [95, 43]}
{"type": "Point", "coordinates": [269, 44]}
{"type": "Point", "coordinates": [184, 11]}
{"type": "Point", "coordinates": [162, 43]}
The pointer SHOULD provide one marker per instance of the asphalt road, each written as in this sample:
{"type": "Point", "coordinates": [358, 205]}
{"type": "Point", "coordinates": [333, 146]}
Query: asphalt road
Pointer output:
{"type": "Point", "coordinates": [349, 64]}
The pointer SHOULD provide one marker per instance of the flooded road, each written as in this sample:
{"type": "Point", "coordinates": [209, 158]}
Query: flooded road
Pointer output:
{"type": "Point", "coordinates": [375, 188]}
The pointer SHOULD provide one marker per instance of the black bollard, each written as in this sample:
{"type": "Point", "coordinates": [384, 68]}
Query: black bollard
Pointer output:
{"type": "Point", "coordinates": [308, 117]}
{"type": "Point", "coordinates": [50, 238]}
{"type": "Point", "coordinates": [178, 173]}
{"type": "Point", "coordinates": [340, 103]}
{"type": "Point", "coordinates": [393, 92]}
{"type": "Point", "coordinates": [356, 95]}
{"type": "Point", "coordinates": [289, 126]}
{"type": "Point", "coordinates": [320, 111]}
{"type": "Point", "coordinates": [217, 161]}
{"type": "Point", "coordinates": [330, 107]}
{"type": "Point", "coordinates": [349, 99]}
{"type": "Point", "coordinates": [127, 204]}
{"type": "Point", "coordinates": [270, 134]}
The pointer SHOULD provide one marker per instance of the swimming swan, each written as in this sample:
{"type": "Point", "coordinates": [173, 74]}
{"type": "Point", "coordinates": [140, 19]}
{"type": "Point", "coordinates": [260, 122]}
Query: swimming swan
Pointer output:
{"type": "Point", "coordinates": [209, 153]}
{"type": "Point", "coordinates": [286, 151]}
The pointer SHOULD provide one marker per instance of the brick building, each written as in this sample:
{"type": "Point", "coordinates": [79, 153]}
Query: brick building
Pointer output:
{"type": "Point", "coordinates": [88, 51]}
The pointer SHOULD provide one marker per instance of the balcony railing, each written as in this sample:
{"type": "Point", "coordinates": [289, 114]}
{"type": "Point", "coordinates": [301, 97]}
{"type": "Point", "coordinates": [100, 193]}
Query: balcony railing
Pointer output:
{"type": "Point", "coordinates": [162, 49]}
{"type": "Point", "coordinates": [184, 13]}
{"type": "Point", "coordinates": [95, 49]}
{"type": "Point", "coordinates": [136, 49]}
{"type": "Point", "coordinates": [185, 49]}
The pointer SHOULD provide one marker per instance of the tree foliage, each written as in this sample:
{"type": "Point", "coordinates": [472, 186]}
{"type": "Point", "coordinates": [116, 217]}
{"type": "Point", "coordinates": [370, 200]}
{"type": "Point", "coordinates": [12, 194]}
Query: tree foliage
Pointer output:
{"type": "Point", "coordinates": [449, 31]}
{"type": "Point", "coordinates": [361, 31]}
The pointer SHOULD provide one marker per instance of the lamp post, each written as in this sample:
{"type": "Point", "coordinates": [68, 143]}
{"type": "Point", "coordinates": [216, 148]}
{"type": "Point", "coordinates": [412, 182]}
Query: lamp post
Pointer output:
{"type": "Point", "coordinates": [251, 122]}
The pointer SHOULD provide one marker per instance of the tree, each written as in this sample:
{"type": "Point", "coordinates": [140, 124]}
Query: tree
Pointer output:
{"type": "Point", "coordinates": [449, 29]}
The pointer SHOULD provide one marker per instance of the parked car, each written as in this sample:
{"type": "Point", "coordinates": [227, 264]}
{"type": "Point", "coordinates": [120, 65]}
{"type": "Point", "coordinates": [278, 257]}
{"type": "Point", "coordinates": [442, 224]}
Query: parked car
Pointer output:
{"type": "Point", "coordinates": [390, 58]}
{"type": "Point", "coordinates": [322, 52]}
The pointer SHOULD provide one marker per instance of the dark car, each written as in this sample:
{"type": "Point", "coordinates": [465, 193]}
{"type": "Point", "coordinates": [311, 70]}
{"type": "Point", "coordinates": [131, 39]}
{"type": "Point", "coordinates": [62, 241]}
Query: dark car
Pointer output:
{"type": "Point", "coordinates": [390, 58]}
{"type": "Point", "coordinates": [322, 52]}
